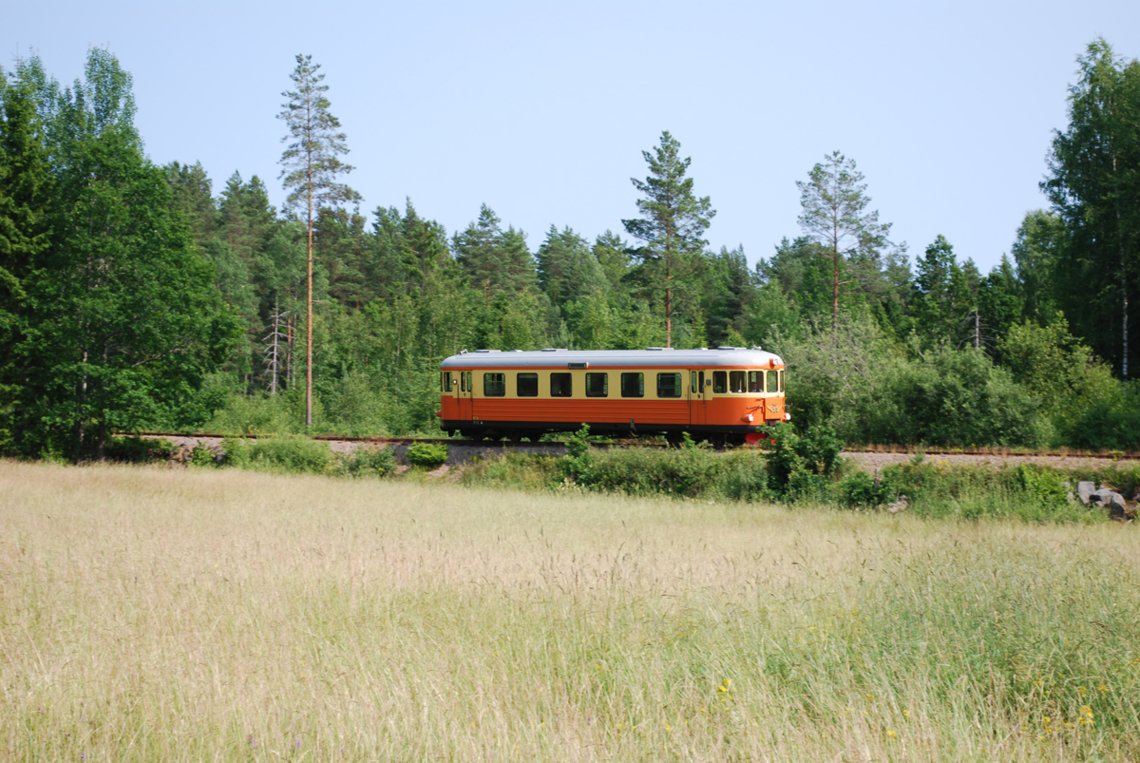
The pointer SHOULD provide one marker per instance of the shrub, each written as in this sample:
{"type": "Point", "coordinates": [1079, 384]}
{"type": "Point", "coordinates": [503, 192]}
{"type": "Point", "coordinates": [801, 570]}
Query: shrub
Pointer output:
{"type": "Point", "coordinates": [428, 455]}
{"type": "Point", "coordinates": [202, 455]}
{"type": "Point", "coordinates": [685, 472]}
{"type": "Point", "coordinates": [138, 450]}
{"type": "Point", "coordinates": [578, 464]}
{"type": "Point", "coordinates": [742, 476]}
{"type": "Point", "coordinates": [526, 471]}
{"type": "Point", "coordinates": [256, 414]}
{"type": "Point", "coordinates": [1026, 492]}
{"type": "Point", "coordinates": [799, 465]}
{"type": "Point", "coordinates": [860, 490]}
{"type": "Point", "coordinates": [368, 462]}
{"type": "Point", "coordinates": [293, 456]}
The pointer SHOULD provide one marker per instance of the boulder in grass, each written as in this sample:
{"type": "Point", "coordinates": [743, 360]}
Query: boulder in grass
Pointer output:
{"type": "Point", "coordinates": [1085, 491]}
{"type": "Point", "coordinates": [1117, 507]}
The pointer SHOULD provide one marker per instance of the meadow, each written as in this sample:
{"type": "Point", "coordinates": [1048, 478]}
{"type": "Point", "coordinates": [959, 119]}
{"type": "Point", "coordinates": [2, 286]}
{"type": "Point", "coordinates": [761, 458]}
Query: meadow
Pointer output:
{"type": "Point", "coordinates": [149, 613]}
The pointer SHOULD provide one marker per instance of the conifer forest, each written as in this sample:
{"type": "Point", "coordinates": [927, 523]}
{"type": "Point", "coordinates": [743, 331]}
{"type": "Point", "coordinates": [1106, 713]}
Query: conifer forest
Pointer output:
{"type": "Point", "coordinates": [136, 297]}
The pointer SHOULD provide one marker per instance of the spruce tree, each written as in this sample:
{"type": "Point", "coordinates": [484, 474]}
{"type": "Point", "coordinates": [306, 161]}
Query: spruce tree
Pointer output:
{"type": "Point", "coordinates": [122, 321]}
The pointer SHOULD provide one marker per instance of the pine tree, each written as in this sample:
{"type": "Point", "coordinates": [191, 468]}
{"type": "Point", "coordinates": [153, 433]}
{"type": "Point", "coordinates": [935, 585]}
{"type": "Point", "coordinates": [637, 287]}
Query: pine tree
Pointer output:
{"type": "Point", "coordinates": [672, 221]}
{"type": "Point", "coordinates": [834, 213]}
{"type": "Point", "coordinates": [311, 165]}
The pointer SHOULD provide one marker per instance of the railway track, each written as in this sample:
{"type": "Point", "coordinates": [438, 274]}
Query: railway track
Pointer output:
{"type": "Point", "coordinates": [872, 457]}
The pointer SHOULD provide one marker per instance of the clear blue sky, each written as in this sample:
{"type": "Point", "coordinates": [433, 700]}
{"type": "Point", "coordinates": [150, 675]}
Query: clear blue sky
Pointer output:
{"type": "Point", "coordinates": [541, 110]}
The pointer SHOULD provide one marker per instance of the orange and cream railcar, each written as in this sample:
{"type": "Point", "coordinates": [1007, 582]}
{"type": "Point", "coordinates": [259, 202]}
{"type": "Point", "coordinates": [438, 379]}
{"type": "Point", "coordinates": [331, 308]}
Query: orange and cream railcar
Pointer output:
{"type": "Point", "coordinates": [723, 394]}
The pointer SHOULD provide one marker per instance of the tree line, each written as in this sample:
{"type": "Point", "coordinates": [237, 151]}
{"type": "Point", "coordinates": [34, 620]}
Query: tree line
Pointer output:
{"type": "Point", "coordinates": [133, 297]}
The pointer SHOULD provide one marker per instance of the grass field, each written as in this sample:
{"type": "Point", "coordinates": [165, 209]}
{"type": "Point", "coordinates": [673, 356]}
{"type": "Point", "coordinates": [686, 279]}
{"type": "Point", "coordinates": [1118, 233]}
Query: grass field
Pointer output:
{"type": "Point", "coordinates": [160, 614]}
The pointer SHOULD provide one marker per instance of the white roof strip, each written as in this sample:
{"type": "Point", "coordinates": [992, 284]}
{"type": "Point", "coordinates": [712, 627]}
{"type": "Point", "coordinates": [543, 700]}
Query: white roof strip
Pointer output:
{"type": "Point", "coordinates": [737, 357]}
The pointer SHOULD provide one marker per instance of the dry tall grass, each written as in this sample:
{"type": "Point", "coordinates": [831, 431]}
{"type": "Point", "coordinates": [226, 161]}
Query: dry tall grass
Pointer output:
{"type": "Point", "coordinates": [151, 614]}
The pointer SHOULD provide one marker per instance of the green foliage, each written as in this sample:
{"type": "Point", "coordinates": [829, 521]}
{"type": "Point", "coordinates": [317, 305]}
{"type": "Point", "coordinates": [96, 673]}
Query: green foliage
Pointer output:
{"type": "Point", "coordinates": [1105, 417]}
{"type": "Point", "coordinates": [799, 465]}
{"type": "Point", "coordinates": [684, 472]}
{"type": "Point", "coordinates": [1093, 186]}
{"type": "Point", "coordinates": [289, 456]}
{"type": "Point", "coordinates": [578, 464]}
{"type": "Point", "coordinates": [517, 471]}
{"type": "Point", "coordinates": [97, 245]}
{"type": "Point", "coordinates": [427, 455]}
{"type": "Point", "coordinates": [1026, 492]}
{"type": "Point", "coordinates": [139, 450]}
{"type": "Point", "coordinates": [834, 213]}
{"type": "Point", "coordinates": [121, 321]}
{"type": "Point", "coordinates": [860, 490]}
{"type": "Point", "coordinates": [671, 224]}
{"type": "Point", "coordinates": [946, 296]}
{"type": "Point", "coordinates": [368, 462]}
{"type": "Point", "coordinates": [956, 397]}
{"type": "Point", "coordinates": [837, 376]}
{"type": "Point", "coordinates": [202, 455]}
{"type": "Point", "coordinates": [259, 415]}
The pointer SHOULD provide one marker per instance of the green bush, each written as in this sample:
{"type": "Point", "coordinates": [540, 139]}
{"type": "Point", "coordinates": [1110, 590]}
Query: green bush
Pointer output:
{"type": "Point", "coordinates": [427, 455]}
{"type": "Point", "coordinates": [799, 466]}
{"type": "Point", "coordinates": [139, 450]}
{"type": "Point", "coordinates": [202, 455]}
{"type": "Point", "coordinates": [281, 414]}
{"type": "Point", "coordinates": [685, 472]}
{"type": "Point", "coordinates": [742, 475]}
{"type": "Point", "coordinates": [578, 463]}
{"type": "Point", "coordinates": [368, 462]}
{"type": "Point", "coordinates": [859, 490]}
{"type": "Point", "coordinates": [291, 456]}
{"type": "Point", "coordinates": [516, 471]}
{"type": "Point", "coordinates": [1026, 492]}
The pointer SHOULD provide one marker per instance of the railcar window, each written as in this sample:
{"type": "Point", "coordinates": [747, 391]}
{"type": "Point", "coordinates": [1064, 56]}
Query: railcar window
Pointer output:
{"type": "Point", "coordinates": [781, 374]}
{"type": "Point", "coordinates": [527, 385]}
{"type": "Point", "coordinates": [597, 385]}
{"type": "Point", "coordinates": [633, 384]}
{"type": "Point", "coordinates": [445, 381]}
{"type": "Point", "coordinates": [669, 385]}
{"type": "Point", "coordinates": [755, 381]}
{"type": "Point", "coordinates": [775, 380]}
{"type": "Point", "coordinates": [561, 385]}
{"type": "Point", "coordinates": [736, 381]}
{"type": "Point", "coordinates": [720, 382]}
{"type": "Point", "coordinates": [494, 384]}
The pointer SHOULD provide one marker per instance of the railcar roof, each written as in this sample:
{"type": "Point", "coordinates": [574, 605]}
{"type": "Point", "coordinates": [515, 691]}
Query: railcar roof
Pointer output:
{"type": "Point", "coordinates": [650, 358]}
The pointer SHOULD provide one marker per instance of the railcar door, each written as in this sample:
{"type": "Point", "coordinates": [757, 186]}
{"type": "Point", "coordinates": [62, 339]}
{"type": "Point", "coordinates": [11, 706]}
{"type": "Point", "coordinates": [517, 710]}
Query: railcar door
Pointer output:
{"type": "Point", "coordinates": [466, 396]}
{"type": "Point", "coordinates": [700, 390]}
